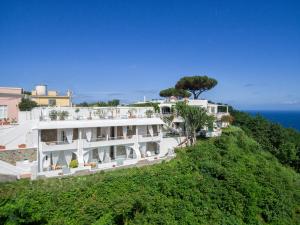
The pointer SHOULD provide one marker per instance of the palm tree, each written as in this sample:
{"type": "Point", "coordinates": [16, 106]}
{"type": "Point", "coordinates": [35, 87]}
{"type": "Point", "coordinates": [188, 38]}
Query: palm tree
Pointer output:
{"type": "Point", "coordinates": [195, 119]}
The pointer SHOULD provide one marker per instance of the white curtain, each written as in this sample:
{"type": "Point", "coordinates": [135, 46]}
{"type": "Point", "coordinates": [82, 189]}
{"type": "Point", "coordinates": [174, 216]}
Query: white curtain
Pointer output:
{"type": "Point", "coordinates": [55, 156]}
{"type": "Point", "coordinates": [68, 157]}
{"type": "Point", "coordinates": [107, 132]}
{"type": "Point", "coordinates": [143, 149]}
{"type": "Point", "coordinates": [128, 149]}
{"type": "Point", "coordinates": [101, 154]}
{"type": "Point", "coordinates": [86, 157]}
{"type": "Point", "coordinates": [125, 132]}
{"type": "Point", "coordinates": [88, 133]}
{"type": "Point", "coordinates": [94, 133]}
{"type": "Point", "coordinates": [150, 129]}
{"type": "Point", "coordinates": [69, 134]}
{"type": "Point", "coordinates": [107, 157]}
{"type": "Point", "coordinates": [46, 162]}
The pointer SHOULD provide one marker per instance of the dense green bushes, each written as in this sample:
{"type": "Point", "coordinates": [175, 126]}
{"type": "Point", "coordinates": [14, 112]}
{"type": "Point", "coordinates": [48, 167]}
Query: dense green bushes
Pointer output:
{"type": "Point", "coordinates": [284, 143]}
{"type": "Point", "coordinates": [228, 180]}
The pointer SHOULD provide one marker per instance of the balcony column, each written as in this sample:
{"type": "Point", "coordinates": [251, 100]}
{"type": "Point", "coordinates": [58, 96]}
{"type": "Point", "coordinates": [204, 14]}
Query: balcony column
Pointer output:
{"type": "Point", "coordinates": [80, 148]}
{"type": "Point", "coordinates": [116, 132]}
{"type": "Point", "coordinates": [160, 132]}
{"type": "Point", "coordinates": [40, 153]}
{"type": "Point", "coordinates": [115, 152]}
{"type": "Point", "coordinates": [136, 145]}
{"type": "Point", "coordinates": [107, 132]}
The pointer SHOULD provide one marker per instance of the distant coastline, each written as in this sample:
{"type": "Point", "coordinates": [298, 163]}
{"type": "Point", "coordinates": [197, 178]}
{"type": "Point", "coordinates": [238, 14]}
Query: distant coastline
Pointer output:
{"type": "Point", "coordinates": [288, 119]}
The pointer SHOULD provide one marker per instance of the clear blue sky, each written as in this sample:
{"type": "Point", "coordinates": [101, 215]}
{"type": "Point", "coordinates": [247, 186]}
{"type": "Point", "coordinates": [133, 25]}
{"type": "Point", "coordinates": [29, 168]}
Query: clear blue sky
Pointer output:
{"type": "Point", "coordinates": [130, 49]}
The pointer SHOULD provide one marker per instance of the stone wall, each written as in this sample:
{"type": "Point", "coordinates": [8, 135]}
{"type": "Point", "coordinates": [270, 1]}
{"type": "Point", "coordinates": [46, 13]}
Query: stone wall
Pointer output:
{"type": "Point", "coordinates": [7, 178]}
{"type": "Point", "coordinates": [12, 156]}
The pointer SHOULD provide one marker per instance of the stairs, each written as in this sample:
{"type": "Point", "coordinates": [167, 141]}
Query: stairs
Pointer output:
{"type": "Point", "coordinates": [9, 169]}
{"type": "Point", "coordinates": [20, 134]}
{"type": "Point", "coordinates": [169, 125]}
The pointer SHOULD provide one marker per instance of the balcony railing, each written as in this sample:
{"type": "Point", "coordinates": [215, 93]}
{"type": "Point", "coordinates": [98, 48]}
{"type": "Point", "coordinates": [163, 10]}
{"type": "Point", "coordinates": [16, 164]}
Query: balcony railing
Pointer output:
{"type": "Point", "coordinates": [59, 145]}
{"type": "Point", "coordinates": [56, 142]}
{"type": "Point", "coordinates": [155, 134]}
{"type": "Point", "coordinates": [76, 118]}
{"type": "Point", "coordinates": [110, 138]}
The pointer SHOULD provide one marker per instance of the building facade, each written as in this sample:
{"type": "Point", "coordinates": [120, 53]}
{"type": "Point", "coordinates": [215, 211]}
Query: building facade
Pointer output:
{"type": "Point", "coordinates": [95, 138]}
{"type": "Point", "coordinates": [10, 97]}
{"type": "Point", "coordinates": [43, 97]}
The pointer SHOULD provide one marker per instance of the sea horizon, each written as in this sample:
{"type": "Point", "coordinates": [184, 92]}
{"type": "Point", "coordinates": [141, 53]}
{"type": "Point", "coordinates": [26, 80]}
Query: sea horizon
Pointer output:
{"type": "Point", "coordinates": [286, 118]}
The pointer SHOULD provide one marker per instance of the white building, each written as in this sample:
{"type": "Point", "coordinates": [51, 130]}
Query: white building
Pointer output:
{"type": "Point", "coordinates": [51, 141]}
{"type": "Point", "coordinates": [166, 109]}
{"type": "Point", "coordinates": [95, 138]}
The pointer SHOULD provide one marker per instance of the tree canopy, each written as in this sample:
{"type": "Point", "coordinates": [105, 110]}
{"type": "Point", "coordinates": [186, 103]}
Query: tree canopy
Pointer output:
{"type": "Point", "coordinates": [180, 93]}
{"type": "Point", "coordinates": [114, 102]}
{"type": "Point", "coordinates": [196, 84]}
{"type": "Point", "coordinates": [195, 119]}
{"type": "Point", "coordinates": [26, 104]}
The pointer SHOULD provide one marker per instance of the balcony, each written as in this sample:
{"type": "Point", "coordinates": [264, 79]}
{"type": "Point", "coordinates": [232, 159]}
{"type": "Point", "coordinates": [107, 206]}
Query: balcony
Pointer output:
{"type": "Point", "coordinates": [59, 145]}
{"type": "Point", "coordinates": [150, 138]}
{"type": "Point", "coordinates": [103, 141]}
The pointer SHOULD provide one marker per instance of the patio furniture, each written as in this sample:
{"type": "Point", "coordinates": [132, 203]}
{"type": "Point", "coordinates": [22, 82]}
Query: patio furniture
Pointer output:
{"type": "Point", "coordinates": [120, 162]}
{"type": "Point", "coordinates": [66, 170]}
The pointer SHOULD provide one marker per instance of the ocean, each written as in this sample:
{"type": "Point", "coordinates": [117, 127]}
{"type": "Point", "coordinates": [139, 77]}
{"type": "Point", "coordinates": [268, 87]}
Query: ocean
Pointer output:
{"type": "Point", "coordinates": [289, 119]}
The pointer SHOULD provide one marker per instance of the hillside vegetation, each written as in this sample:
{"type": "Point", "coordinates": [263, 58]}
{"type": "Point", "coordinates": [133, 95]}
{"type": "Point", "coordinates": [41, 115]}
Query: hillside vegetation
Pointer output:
{"type": "Point", "coordinates": [227, 180]}
{"type": "Point", "coordinates": [283, 143]}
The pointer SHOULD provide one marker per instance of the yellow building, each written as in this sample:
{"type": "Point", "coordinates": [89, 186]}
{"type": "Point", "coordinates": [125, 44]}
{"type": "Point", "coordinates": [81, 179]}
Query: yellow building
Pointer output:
{"type": "Point", "coordinates": [43, 97]}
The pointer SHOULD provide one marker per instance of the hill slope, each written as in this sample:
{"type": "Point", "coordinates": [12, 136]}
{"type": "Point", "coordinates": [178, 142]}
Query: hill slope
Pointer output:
{"type": "Point", "coordinates": [228, 180]}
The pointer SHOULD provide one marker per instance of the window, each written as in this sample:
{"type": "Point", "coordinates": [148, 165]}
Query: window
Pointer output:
{"type": "Point", "coordinates": [3, 111]}
{"type": "Point", "coordinates": [52, 102]}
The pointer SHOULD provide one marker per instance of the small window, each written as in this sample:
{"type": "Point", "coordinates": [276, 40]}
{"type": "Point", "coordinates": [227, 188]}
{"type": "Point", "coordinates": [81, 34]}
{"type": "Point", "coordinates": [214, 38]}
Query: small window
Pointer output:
{"type": "Point", "coordinates": [3, 112]}
{"type": "Point", "coordinates": [52, 102]}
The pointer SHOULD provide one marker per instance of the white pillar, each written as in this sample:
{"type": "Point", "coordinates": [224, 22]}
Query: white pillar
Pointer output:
{"type": "Point", "coordinates": [40, 153]}
{"type": "Point", "coordinates": [136, 145]}
{"type": "Point", "coordinates": [115, 152]}
{"type": "Point", "coordinates": [80, 149]}
{"type": "Point", "coordinates": [116, 131]}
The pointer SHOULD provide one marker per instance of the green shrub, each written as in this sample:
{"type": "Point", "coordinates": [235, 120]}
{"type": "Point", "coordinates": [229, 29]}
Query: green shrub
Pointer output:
{"type": "Point", "coordinates": [74, 163]}
{"type": "Point", "coordinates": [62, 115]}
{"type": "Point", "coordinates": [26, 104]}
{"type": "Point", "coordinates": [200, 186]}
{"type": "Point", "coordinates": [53, 115]}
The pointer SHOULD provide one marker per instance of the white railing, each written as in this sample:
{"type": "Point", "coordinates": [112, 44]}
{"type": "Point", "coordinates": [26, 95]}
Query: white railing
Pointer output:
{"type": "Point", "coordinates": [73, 118]}
{"type": "Point", "coordinates": [59, 145]}
{"type": "Point", "coordinates": [155, 134]}
{"type": "Point", "coordinates": [109, 138]}
{"type": "Point", "coordinates": [98, 142]}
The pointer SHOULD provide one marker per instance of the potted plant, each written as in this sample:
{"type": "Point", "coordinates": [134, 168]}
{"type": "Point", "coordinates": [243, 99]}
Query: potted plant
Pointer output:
{"type": "Point", "coordinates": [53, 115]}
{"type": "Point", "coordinates": [22, 146]}
{"type": "Point", "coordinates": [73, 163]}
{"type": "Point", "coordinates": [149, 113]}
{"type": "Point", "coordinates": [90, 115]}
{"type": "Point", "coordinates": [77, 111]}
{"type": "Point", "coordinates": [62, 115]}
{"type": "Point", "coordinates": [6, 121]}
{"type": "Point", "coordinates": [100, 113]}
{"type": "Point", "coordinates": [13, 120]}
{"type": "Point", "coordinates": [131, 113]}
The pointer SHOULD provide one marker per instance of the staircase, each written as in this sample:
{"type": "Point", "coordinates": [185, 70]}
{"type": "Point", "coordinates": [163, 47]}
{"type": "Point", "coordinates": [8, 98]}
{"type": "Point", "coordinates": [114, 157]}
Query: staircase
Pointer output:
{"type": "Point", "coordinates": [19, 134]}
{"type": "Point", "coordinates": [9, 169]}
{"type": "Point", "coordinates": [169, 125]}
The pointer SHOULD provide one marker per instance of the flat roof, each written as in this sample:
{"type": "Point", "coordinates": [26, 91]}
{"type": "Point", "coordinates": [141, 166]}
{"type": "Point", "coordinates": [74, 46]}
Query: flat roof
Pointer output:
{"type": "Point", "coordinates": [11, 88]}
{"type": "Point", "coordinates": [65, 124]}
